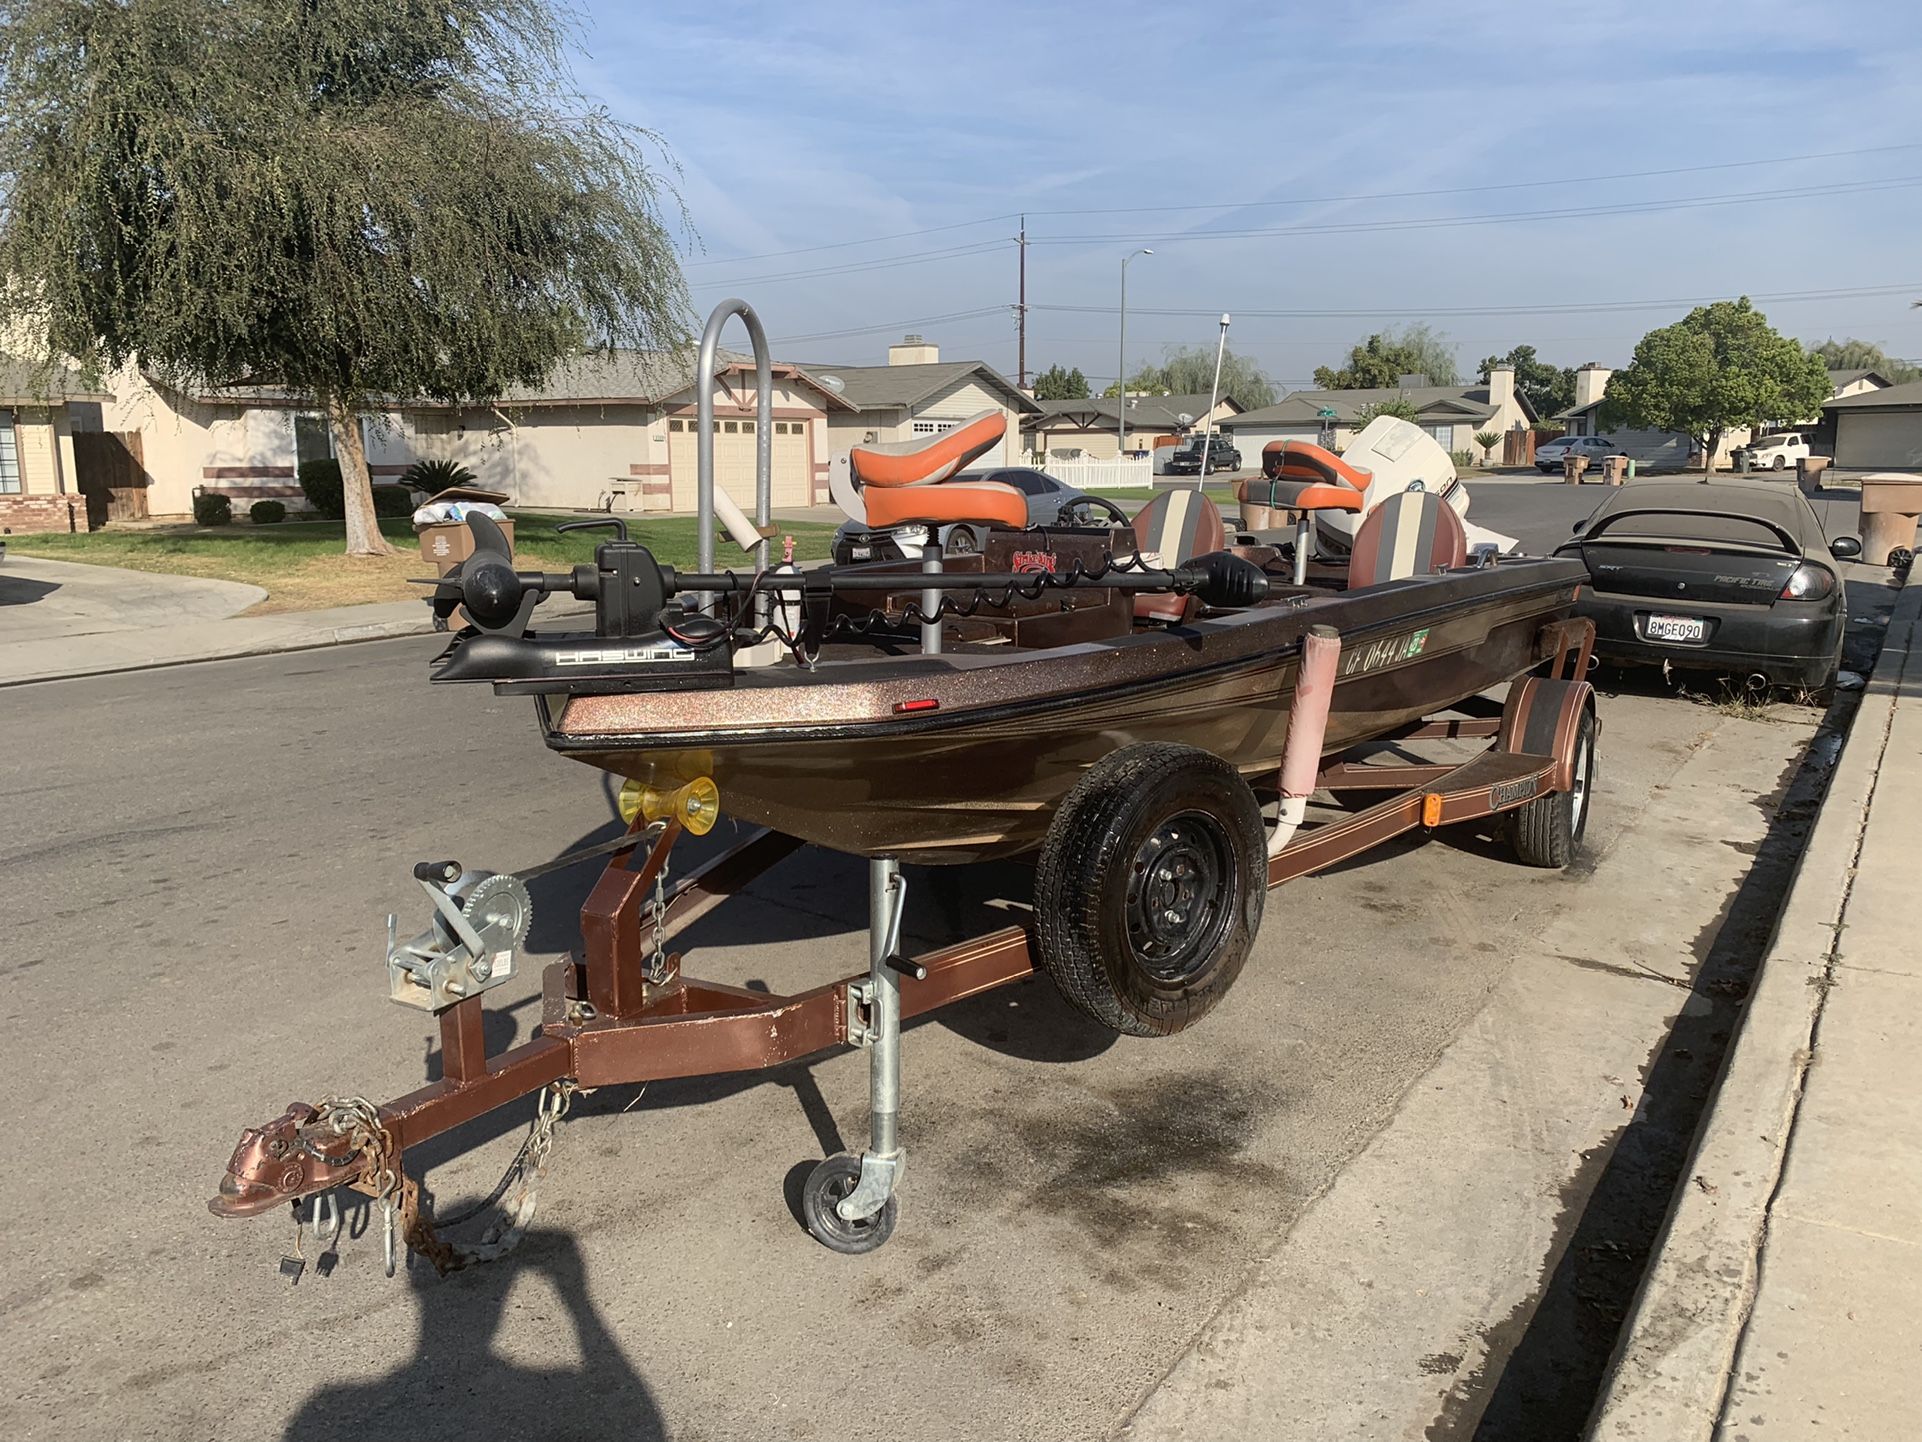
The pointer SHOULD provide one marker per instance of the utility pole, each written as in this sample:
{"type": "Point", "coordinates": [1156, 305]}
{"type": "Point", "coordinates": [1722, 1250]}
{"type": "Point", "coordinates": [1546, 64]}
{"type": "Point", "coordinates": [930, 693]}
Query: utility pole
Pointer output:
{"type": "Point", "coordinates": [1021, 310]}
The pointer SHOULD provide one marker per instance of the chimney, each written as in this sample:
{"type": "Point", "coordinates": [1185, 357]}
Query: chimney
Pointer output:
{"type": "Point", "coordinates": [913, 351]}
{"type": "Point", "coordinates": [1501, 389]}
{"type": "Point", "coordinates": [1591, 381]}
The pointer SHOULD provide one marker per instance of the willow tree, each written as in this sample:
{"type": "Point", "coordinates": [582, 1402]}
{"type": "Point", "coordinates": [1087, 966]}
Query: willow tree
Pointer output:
{"type": "Point", "coordinates": [365, 202]}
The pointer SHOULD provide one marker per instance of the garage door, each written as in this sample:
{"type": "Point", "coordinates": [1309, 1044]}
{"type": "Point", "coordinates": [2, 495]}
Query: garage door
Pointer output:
{"type": "Point", "coordinates": [734, 461]}
{"type": "Point", "coordinates": [1872, 439]}
{"type": "Point", "coordinates": [997, 455]}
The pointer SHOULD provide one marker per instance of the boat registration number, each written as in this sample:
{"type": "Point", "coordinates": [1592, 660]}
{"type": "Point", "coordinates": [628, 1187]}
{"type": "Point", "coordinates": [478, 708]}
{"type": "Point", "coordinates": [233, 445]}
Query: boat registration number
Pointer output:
{"type": "Point", "coordinates": [1677, 628]}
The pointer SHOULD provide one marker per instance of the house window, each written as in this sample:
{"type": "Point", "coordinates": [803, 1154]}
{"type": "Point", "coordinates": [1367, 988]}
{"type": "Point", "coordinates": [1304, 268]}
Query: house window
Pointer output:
{"type": "Point", "coordinates": [730, 427]}
{"type": "Point", "coordinates": [933, 427]}
{"type": "Point", "coordinates": [313, 441]}
{"type": "Point", "coordinates": [9, 457]}
{"type": "Point", "coordinates": [747, 428]}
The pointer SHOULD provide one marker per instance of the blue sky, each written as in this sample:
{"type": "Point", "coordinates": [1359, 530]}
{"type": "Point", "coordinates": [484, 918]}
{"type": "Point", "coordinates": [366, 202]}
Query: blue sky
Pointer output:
{"type": "Point", "coordinates": [803, 126]}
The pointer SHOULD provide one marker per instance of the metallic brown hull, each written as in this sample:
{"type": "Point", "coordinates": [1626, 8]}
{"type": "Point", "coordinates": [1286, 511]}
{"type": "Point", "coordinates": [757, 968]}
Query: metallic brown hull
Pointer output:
{"type": "Point", "coordinates": [834, 763]}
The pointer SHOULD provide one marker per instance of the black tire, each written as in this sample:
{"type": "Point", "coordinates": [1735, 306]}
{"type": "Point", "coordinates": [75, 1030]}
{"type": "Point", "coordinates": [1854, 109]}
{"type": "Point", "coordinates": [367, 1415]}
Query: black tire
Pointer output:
{"type": "Point", "coordinates": [962, 541]}
{"type": "Point", "coordinates": [830, 1181]}
{"type": "Point", "coordinates": [1150, 888]}
{"type": "Point", "coordinates": [1547, 832]}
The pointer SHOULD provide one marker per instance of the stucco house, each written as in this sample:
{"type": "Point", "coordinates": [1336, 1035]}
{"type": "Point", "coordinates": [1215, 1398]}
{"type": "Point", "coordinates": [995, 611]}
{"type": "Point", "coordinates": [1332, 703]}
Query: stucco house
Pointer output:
{"type": "Point", "coordinates": [1451, 414]}
{"type": "Point", "coordinates": [612, 431]}
{"type": "Point", "coordinates": [1878, 428]}
{"type": "Point", "coordinates": [43, 481]}
{"type": "Point", "coordinates": [1093, 427]}
{"type": "Point", "coordinates": [1671, 450]}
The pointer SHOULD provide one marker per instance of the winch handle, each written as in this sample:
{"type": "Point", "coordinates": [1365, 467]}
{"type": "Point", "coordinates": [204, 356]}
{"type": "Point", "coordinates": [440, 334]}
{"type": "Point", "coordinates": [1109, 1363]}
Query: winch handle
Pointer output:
{"type": "Point", "coordinates": [599, 523]}
{"type": "Point", "coordinates": [445, 872]}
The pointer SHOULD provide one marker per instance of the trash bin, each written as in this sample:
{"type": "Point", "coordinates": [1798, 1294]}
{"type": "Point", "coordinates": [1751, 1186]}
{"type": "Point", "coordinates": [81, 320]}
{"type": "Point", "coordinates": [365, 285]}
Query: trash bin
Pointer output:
{"type": "Point", "coordinates": [1614, 470]}
{"type": "Point", "coordinates": [1808, 473]}
{"type": "Point", "coordinates": [1891, 503]}
{"type": "Point", "coordinates": [1572, 468]}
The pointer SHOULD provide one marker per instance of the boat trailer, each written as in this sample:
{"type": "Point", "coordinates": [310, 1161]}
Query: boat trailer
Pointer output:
{"type": "Point", "coordinates": [624, 1012]}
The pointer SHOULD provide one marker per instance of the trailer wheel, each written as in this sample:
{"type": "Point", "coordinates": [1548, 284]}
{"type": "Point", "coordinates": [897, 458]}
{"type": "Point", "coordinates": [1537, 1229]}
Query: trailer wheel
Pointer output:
{"type": "Point", "coordinates": [1548, 831]}
{"type": "Point", "coordinates": [1150, 888]}
{"type": "Point", "coordinates": [827, 1184]}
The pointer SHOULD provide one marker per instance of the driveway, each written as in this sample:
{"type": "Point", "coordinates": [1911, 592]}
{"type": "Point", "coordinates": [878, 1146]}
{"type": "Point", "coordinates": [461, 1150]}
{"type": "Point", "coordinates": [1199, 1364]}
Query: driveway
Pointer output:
{"type": "Point", "coordinates": [54, 600]}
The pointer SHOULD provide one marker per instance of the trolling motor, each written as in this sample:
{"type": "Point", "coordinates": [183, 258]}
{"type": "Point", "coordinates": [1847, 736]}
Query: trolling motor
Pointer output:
{"type": "Point", "coordinates": [642, 639]}
{"type": "Point", "coordinates": [645, 640]}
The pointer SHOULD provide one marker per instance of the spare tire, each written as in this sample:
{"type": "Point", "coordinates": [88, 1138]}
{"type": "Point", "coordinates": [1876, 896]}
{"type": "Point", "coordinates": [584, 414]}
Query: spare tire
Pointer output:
{"type": "Point", "coordinates": [1150, 888]}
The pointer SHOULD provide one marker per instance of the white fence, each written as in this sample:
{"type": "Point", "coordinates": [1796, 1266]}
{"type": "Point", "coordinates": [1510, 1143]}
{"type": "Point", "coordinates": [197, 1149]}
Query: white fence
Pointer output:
{"type": "Point", "coordinates": [1092, 475]}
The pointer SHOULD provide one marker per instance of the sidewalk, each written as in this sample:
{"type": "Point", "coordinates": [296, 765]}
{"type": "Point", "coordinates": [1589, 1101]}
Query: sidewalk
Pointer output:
{"type": "Point", "coordinates": [1783, 1298]}
{"type": "Point", "coordinates": [62, 658]}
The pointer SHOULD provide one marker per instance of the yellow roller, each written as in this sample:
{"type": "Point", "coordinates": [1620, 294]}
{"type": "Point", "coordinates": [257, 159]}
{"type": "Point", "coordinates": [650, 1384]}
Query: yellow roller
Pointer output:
{"type": "Point", "coordinates": [696, 805]}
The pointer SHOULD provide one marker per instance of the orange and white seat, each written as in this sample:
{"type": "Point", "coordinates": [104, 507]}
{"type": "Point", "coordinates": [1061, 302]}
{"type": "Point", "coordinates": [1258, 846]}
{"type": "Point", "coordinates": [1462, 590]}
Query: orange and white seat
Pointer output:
{"type": "Point", "coordinates": [906, 482]}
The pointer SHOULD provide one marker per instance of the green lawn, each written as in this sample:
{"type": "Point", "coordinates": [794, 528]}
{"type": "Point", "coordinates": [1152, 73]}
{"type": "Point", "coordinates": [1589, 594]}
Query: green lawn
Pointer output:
{"type": "Point", "coordinates": [301, 567]}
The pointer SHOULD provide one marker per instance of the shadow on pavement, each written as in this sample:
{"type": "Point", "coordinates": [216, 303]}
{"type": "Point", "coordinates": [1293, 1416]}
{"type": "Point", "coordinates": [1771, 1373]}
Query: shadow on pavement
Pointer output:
{"type": "Point", "coordinates": [458, 1384]}
{"type": "Point", "coordinates": [19, 591]}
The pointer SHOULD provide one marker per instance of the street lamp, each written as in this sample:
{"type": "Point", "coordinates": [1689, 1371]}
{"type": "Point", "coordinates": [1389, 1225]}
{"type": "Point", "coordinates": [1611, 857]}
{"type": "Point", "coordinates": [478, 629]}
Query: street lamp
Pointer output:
{"type": "Point", "coordinates": [1208, 421]}
{"type": "Point", "coordinates": [1121, 380]}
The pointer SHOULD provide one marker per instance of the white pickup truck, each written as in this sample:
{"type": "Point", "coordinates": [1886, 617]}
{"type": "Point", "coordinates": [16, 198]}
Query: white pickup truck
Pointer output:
{"type": "Point", "coordinates": [1774, 453]}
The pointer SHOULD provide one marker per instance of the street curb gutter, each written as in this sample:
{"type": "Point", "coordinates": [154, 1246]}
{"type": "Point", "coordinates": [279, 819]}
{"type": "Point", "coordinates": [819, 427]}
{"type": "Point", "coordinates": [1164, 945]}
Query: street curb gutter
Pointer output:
{"type": "Point", "coordinates": [1672, 1368]}
{"type": "Point", "coordinates": [282, 634]}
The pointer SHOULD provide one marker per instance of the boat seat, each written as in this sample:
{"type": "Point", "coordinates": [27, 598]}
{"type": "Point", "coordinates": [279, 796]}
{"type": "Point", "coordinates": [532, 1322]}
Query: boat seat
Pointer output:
{"type": "Point", "coordinates": [927, 458]}
{"type": "Point", "coordinates": [1173, 528]}
{"type": "Point", "coordinates": [980, 502]}
{"type": "Point", "coordinates": [1412, 533]}
{"type": "Point", "coordinates": [1306, 461]}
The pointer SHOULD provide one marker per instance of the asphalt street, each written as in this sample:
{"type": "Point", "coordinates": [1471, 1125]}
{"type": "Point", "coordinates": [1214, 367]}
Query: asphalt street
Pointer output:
{"type": "Point", "coordinates": [200, 864]}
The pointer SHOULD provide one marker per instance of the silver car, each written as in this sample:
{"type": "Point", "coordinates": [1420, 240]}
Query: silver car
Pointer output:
{"type": "Point", "coordinates": [1050, 503]}
{"type": "Point", "coordinates": [1549, 457]}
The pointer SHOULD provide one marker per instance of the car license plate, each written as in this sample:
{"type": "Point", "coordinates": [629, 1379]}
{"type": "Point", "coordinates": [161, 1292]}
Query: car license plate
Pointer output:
{"type": "Point", "coordinates": [1677, 628]}
{"type": "Point", "coordinates": [860, 553]}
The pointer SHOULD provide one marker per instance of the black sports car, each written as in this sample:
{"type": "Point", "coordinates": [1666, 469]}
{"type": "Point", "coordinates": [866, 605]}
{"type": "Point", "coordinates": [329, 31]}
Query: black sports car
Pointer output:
{"type": "Point", "coordinates": [1723, 575]}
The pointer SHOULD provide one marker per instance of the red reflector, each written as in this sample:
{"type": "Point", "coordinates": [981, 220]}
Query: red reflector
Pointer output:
{"type": "Point", "coordinates": [930, 704]}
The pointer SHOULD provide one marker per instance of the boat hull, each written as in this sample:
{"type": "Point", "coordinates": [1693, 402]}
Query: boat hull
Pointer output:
{"type": "Point", "coordinates": [966, 783]}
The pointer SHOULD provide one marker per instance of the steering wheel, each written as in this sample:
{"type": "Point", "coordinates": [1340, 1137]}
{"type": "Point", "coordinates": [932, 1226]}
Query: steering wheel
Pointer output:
{"type": "Point", "coordinates": [1087, 504]}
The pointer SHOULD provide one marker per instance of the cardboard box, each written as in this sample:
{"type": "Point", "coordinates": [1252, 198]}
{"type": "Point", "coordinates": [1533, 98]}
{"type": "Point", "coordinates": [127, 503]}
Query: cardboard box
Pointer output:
{"type": "Point", "coordinates": [448, 543]}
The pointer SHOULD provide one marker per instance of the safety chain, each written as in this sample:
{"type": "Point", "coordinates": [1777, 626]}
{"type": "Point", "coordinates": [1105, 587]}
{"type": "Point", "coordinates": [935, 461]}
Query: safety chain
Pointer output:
{"type": "Point", "coordinates": [356, 1122]}
{"type": "Point", "coordinates": [522, 1177]}
{"type": "Point", "coordinates": [657, 968]}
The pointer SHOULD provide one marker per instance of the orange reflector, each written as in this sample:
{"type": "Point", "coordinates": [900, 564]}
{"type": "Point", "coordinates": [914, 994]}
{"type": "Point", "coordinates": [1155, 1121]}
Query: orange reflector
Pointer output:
{"type": "Point", "coordinates": [929, 704]}
{"type": "Point", "coordinates": [1431, 809]}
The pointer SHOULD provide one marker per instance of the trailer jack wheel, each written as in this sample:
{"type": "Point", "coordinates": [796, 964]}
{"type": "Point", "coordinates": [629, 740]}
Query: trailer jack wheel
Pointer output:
{"type": "Point", "coordinates": [830, 1183]}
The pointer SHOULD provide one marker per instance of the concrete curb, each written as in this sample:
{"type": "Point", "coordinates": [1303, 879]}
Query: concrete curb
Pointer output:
{"type": "Point", "coordinates": [1672, 1368]}
{"type": "Point", "coordinates": [230, 640]}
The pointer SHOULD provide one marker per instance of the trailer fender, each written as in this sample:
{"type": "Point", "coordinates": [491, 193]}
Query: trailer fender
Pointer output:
{"type": "Point", "coordinates": [1541, 717]}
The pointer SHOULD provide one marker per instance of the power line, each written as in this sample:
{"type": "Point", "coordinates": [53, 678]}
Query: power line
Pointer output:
{"type": "Point", "coordinates": [845, 244]}
{"type": "Point", "coordinates": [1438, 222]}
{"type": "Point", "coordinates": [1321, 200]}
{"type": "Point", "coordinates": [1444, 222]}
{"type": "Point", "coordinates": [853, 267]}
{"type": "Point", "coordinates": [889, 325]}
{"type": "Point", "coordinates": [1562, 308]}
{"type": "Point", "coordinates": [1482, 189]}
